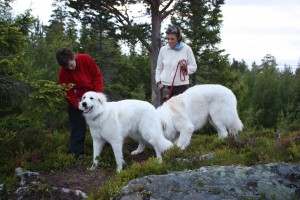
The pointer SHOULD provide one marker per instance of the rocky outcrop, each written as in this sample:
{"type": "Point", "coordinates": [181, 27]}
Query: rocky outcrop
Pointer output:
{"type": "Point", "coordinates": [269, 181]}
{"type": "Point", "coordinates": [31, 188]}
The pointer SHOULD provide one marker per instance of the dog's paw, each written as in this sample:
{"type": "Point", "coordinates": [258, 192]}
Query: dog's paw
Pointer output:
{"type": "Point", "coordinates": [119, 169]}
{"type": "Point", "coordinates": [236, 137]}
{"type": "Point", "coordinates": [159, 159]}
{"type": "Point", "coordinates": [120, 166]}
{"type": "Point", "coordinates": [92, 168]}
{"type": "Point", "coordinates": [135, 152]}
{"type": "Point", "coordinates": [182, 146]}
{"type": "Point", "coordinates": [169, 146]}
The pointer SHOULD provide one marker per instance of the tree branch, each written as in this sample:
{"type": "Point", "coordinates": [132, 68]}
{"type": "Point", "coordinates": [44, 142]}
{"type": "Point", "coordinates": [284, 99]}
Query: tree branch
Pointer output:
{"type": "Point", "coordinates": [165, 13]}
{"type": "Point", "coordinates": [121, 18]}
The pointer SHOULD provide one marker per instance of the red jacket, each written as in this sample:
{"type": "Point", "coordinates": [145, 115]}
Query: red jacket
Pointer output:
{"type": "Point", "coordinates": [86, 77]}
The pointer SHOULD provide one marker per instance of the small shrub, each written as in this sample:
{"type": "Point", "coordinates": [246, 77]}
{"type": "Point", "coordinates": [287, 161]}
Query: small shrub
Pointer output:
{"type": "Point", "coordinates": [292, 152]}
{"type": "Point", "coordinates": [251, 158]}
{"type": "Point", "coordinates": [218, 143]}
{"type": "Point", "coordinates": [16, 123]}
{"type": "Point", "coordinates": [53, 161]}
{"type": "Point", "coordinates": [136, 170]}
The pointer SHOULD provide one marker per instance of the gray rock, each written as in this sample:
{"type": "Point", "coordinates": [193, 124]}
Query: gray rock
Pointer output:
{"type": "Point", "coordinates": [270, 181]}
{"type": "Point", "coordinates": [2, 191]}
{"type": "Point", "coordinates": [29, 180]}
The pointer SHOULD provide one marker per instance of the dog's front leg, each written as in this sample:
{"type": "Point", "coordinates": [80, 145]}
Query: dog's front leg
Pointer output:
{"type": "Point", "coordinates": [117, 148]}
{"type": "Point", "coordinates": [98, 145]}
{"type": "Point", "coordinates": [185, 136]}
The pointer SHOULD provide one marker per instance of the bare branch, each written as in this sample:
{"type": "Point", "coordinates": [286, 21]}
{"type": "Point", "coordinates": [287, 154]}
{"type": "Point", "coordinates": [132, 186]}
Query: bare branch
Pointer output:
{"type": "Point", "coordinates": [166, 7]}
{"type": "Point", "coordinates": [165, 13]}
{"type": "Point", "coordinates": [121, 18]}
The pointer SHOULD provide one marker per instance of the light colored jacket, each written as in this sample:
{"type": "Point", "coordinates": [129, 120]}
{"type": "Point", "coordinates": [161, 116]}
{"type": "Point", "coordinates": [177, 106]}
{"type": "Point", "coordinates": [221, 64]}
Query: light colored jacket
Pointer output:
{"type": "Point", "coordinates": [167, 64]}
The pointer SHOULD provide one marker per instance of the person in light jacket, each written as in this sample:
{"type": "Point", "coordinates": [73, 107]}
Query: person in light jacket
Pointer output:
{"type": "Point", "coordinates": [175, 62]}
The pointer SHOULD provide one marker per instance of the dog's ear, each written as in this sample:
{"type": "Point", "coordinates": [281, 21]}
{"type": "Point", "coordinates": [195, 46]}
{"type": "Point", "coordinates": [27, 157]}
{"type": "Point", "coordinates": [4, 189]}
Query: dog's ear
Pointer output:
{"type": "Point", "coordinates": [101, 98]}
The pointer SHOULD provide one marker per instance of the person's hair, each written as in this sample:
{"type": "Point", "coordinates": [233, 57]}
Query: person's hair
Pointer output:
{"type": "Point", "coordinates": [64, 55]}
{"type": "Point", "coordinates": [174, 30]}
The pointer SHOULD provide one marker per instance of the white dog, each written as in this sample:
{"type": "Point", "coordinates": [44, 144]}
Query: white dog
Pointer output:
{"type": "Point", "coordinates": [183, 114]}
{"type": "Point", "coordinates": [112, 122]}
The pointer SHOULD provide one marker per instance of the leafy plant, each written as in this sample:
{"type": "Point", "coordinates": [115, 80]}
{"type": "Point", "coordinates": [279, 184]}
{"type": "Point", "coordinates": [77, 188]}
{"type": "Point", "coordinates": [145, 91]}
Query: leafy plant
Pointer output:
{"type": "Point", "coordinates": [45, 103]}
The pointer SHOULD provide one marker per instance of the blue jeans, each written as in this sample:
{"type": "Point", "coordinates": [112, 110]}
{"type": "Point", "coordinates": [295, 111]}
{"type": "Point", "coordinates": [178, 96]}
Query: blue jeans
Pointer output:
{"type": "Point", "coordinates": [78, 131]}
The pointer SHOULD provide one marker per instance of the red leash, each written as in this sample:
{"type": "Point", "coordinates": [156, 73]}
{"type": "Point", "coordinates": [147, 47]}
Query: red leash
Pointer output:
{"type": "Point", "coordinates": [183, 72]}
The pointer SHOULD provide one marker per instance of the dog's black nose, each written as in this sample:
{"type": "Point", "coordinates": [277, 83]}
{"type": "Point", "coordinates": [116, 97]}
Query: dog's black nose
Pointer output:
{"type": "Point", "coordinates": [84, 104]}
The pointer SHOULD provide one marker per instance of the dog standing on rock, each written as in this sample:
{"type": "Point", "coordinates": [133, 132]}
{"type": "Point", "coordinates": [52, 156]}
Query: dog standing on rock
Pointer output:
{"type": "Point", "coordinates": [112, 122]}
{"type": "Point", "coordinates": [187, 112]}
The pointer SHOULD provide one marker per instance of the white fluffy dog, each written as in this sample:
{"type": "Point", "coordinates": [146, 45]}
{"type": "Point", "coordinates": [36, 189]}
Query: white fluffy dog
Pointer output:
{"type": "Point", "coordinates": [112, 122]}
{"type": "Point", "coordinates": [183, 114]}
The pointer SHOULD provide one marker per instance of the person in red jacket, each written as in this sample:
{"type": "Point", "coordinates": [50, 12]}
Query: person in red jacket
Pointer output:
{"type": "Point", "coordinates": [81, 71]}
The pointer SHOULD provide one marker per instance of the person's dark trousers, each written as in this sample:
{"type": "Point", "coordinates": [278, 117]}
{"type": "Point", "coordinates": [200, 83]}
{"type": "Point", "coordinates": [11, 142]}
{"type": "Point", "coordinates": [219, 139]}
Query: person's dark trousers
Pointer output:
{"type": "Point", "coordinates": [178, 89]}
{"type": "Point", "coordinates": [175, 91]}
{"type": "Point", "coordinates": [78, 131]}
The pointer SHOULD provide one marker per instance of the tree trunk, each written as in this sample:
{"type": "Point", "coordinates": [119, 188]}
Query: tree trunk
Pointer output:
{"type": "Point", "coordinates": [156, 44]}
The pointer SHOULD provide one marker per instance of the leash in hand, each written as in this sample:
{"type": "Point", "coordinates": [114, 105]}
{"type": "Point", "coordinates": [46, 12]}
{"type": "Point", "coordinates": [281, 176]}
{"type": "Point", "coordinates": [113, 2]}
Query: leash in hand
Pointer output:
{"type": "Point", "coordinates": [183, 72]}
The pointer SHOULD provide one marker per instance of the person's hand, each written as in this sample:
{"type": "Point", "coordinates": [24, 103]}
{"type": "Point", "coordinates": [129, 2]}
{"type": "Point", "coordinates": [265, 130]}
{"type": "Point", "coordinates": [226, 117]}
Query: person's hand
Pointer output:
{"type": "Point", "coordinates": [160, 86]}
{"type": "Point", "coordinates": [183, 63]}
{"type": "Point", "coordinates": [183, 66]}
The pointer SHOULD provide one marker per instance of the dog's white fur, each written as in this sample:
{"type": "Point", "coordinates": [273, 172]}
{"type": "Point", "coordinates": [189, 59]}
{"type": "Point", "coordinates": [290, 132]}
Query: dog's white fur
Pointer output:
{"type": "Point", "coordinates": [183, 114]}
{"type": "Point", "coordinates": [112, 122]}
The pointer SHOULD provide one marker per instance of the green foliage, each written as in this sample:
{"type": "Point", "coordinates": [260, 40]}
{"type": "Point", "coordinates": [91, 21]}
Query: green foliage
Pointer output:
{"type": "Point", "coordinates": [46, 102]}
{"type": "Point", "coordinates": [50, 153]}
{"type": "Point", "coordinates": [292, 151]}
{"type": "Point", "coordinates": [132, 78]}
{"type": "Point", "coordinates": [116, 92]}
{"type": "Point", "coordinates": [33, 150]}
{"type": "Point", "coordinates": [45, 95]}
{"type": "Point", "coordinates": [17, 122]}
{"type": "Point", "coordinates": [13, 41]}
{"type": "Point", "coordinates": [270, 98]}
{"type": "Point", "coordinates": [14, 32]}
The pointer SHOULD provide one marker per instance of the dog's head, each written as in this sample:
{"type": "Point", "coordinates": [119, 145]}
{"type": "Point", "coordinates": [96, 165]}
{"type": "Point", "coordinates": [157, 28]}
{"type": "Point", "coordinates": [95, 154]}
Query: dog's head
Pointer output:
{"type": "Point", "coordinates": [165, 115]}
{"type": "Point", "coordinates": [92, 103]}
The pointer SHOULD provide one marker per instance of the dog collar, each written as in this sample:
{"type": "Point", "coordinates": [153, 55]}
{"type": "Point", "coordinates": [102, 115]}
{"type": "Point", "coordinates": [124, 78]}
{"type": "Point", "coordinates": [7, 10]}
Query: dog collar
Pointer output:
{"type": "Point", "coordinates": [96, 117]}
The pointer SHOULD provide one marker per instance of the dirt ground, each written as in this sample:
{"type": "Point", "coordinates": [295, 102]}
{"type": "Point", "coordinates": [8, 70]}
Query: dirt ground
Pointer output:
{"type": "Point", "coordinates": [51, 185]}
{"type": "Point", "coordinates": [77, 177]}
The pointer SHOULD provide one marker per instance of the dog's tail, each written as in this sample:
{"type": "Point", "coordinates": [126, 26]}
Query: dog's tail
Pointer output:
{"type": "Point", "coordinates": [160, 144]}
{"type": "Point", "coordinates": [165, 144]}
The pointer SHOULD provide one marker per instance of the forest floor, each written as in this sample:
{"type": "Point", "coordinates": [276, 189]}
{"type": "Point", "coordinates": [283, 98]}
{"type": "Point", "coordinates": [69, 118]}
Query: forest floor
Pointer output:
{"type": "Point", "coordinates": [74, 178]}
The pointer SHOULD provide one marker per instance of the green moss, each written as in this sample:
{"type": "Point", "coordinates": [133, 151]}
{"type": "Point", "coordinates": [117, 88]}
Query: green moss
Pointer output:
{"type": "Point", "coordinates": [199, 183]}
